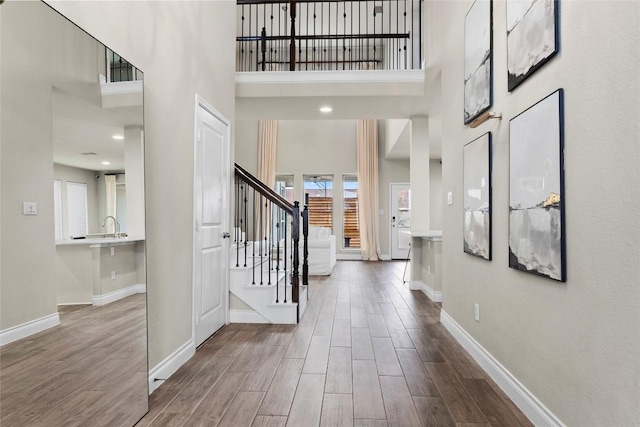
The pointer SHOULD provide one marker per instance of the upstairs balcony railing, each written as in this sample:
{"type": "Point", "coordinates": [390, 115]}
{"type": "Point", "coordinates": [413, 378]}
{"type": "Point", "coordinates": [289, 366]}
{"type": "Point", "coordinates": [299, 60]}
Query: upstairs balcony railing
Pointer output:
{"type": "Point", "coordinates": [300, 35]}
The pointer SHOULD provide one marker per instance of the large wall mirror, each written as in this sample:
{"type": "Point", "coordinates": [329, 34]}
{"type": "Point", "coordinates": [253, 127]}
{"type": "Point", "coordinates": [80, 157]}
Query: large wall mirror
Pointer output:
{"type": "Point", "coordinates": [74, 342]}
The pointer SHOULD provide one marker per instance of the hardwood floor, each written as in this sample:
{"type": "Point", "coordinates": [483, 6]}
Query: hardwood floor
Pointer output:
{"type": "Point", "coordinates": [89, 370]}
{"type": "Point", "coordinates": [368, 352]}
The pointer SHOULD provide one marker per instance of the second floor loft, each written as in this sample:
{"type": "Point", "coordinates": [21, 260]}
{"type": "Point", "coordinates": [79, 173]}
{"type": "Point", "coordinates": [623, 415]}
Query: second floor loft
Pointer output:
{"type": "Point", "coordinates": [329, 35]}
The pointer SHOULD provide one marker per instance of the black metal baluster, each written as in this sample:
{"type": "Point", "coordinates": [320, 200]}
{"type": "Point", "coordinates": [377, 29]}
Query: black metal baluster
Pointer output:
{"type": "Point", "coordinates": [374, 40]}
{"type": "Point", "coordinates": [238, 223]}
{"type": "Point", "coordinates": [413, 43]}
{"type": "Point", "coordinates": [344, 34]}
{"type": "Point", "coordinates": [420, 33]}
{"type": "Point", "coordinates": [261, 225]}
{"type": "Point", "coordinates": [329, 33]}
{"type": "Point", "coordinates": [337, 41]}
{"type": "Point", "coordinates": [314, 42]}
{"type": "Point", "coordinates": [285, 258]}
{"type": "Point", "coordinates": [245, 226]}
{"type": "Point", "coordinates": [351, 40]}
{"type": "Point", "coordinates": [367, 27]}
{"type": "Point", "coordinates": [277, 209]}
{"type": "Point", "coordinates": [253, 239]}
{"type": "Point", "coordinates": [271, 32]}
{"type": "Point", "coordinates": [270, 213]}
{"type": "Point", "coordinates": [405, 38]}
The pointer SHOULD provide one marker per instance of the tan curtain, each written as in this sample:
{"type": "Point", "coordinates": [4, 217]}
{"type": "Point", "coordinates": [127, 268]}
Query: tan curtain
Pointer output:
{"type": "Point", "coordinates": [267, 159]}
{"type": "Point", "coordinates": [367, 144]}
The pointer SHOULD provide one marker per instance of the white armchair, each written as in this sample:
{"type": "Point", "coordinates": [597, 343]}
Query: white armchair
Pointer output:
{"type": "Point", "coordinates": [322, 251]}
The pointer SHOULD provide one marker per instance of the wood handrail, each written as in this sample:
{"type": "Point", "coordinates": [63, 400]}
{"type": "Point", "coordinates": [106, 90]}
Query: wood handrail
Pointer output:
{"type": "Point", "coordinates": [263, 189]}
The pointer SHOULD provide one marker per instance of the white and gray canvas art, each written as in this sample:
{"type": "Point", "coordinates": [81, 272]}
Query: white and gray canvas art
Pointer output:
{"type": "Point", "coordinates": [477, 197]}
{"type": "Point", "coordinates": [536, 238]}
{"type": "Point", "coordinates": [477, 60]}
{"type": "Point", "coordinates": [531, 37]}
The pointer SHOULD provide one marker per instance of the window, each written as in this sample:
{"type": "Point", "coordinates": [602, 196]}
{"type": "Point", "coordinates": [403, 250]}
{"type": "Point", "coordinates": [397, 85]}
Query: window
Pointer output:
{"type": "Point", "coordinates": [284, 187]}
{"type": "Point", "coordinates": [320, 190]}
{"type": "Point", "coordinates": [350, 221]}
{"type": "Point", "coordinates": [57, 208]}
{"type": "Point", "coordinates": [77, 208]}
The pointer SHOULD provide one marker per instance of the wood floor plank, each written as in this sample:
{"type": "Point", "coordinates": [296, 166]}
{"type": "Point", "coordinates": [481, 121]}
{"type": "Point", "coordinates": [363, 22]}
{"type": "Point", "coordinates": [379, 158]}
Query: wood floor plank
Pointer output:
{"type": "Point", "coordinates": [343, 310]}
{"type": "Point", "coordinates": [252, 352]}
{"type": "Point", "coordinates": [496, 410]}
{"type": "Point", "coordinates": [418, 379]}
{"type": "Point", "coordinates": [324, 327]}
{"type": "Point", "coordinates": [365, 422]}
{"type": "Point", "coordinates": [462, 408]}
{"type": "Point", "coordinates": [367, 396]}
{"type": "Point", "coordinates": [189, 398]}
{"type": "Point", "coordinates": [283, 388]}
{"type": "Point", "coordinates": [339, 372]}
{"type": "Point", "coordinates": [385, 355]}
{"type": "Point", "coordinates": [433, 412]}
{"type": "Point", "coordinates": [398, 403]}
{"type": "Point", "coordinates": [299, 343]}
{"type": "Point", "coordinates": [361, 347]}
{"type": "Point", "coordinates": [358, 317]}
{"type": "Point", "coordinates": [214, 404]}
{"type": "Point", "coordinates": [318, 356]}
{"type": "Point", "coordinates": [266, 421]}
{"type": "Point", "coordinates": [262, 374]}
{"type": "Point", "coordinates": [337, 410]}
{"type": "Point", "coordinates": [427, 348]}
{"type": "Point", "coordinates": [242, 409]}
{"type": "Point", "coordinates": [341, 336]}
{"type": "Point", "coordinates": [377, 327]}
{"type": "Point", "coordinates": [306, 408]}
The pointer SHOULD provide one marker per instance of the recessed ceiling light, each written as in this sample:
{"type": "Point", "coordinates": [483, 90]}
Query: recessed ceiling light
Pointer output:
{"type": "Point", "coordinates": [326, 109]}
{"type": "Point", "coordinates": [118, 137]}
{"type": "Point", "coordinates": [106, 163]}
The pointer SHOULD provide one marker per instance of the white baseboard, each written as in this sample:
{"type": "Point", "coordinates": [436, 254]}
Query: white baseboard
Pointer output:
{"type": "Point", "coordinates": [119, 294]}
{"type": "Point", "coordinates": [170, 365]}
{"type": "Point", "coordinates": [537, 413]}
{"type": "Point", "coordinates": [385, 257]}
{"type": "Point", "coordinates": [246, 316]}
{"type": "Point", "coordinates": [419, 285]}
{"type": "Point", "coordinates": [349, 256]}
{"type": "Point", "coordinates": [24, 330]}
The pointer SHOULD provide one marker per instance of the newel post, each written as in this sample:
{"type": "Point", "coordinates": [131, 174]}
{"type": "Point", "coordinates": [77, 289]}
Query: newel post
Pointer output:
{"type": "Point", "coordinates": [305, 243]}
{"type": "Point", "coordinates": [295, 234]}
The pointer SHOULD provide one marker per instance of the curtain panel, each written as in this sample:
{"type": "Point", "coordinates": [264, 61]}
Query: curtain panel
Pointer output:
{"type": "Point", "coordinates": [367, 154]}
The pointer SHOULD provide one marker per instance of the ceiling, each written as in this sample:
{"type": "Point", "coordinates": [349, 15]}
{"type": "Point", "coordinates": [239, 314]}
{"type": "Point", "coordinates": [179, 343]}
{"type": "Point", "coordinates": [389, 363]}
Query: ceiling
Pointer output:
{"type": "Point", "coordinates": [80, 126]}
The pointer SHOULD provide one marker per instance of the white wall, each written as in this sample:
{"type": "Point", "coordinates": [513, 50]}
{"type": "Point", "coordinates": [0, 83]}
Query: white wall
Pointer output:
{"type": "Point", "coordinates": [184, 48]}
{"type": "Point", "coordinates": [323, 147]}
{"type": "Point", "coordinates": [574, 345]}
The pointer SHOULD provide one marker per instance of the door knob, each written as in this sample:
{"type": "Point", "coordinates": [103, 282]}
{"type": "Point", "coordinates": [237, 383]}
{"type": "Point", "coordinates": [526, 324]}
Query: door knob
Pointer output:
{"type": "Point", "coordinates": [226, 235]}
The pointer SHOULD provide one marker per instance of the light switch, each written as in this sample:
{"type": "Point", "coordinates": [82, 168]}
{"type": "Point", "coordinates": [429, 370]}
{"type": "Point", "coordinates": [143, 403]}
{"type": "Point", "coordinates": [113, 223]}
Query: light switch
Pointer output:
{"type": "Point", "coordinates": [450, 198]}
{"type": "Point", "coordinates": [113, 251]}
{"type": "Point", "coordinates": [29, 208]}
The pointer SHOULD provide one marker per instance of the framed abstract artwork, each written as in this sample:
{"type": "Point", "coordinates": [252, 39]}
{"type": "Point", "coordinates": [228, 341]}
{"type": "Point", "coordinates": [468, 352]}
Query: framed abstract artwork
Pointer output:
{"type": "Point", "coordinates": [536, 189]}
{"type": "Point", "coordinates": [477, 197]}
{"type": "Point", "coordinates": [532, 37]}
{"type": "Point", "coordinates": [477, 60]}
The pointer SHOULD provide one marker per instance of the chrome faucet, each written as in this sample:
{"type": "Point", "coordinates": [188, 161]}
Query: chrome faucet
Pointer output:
{"type": "Point", "coordinates": [115, 223]}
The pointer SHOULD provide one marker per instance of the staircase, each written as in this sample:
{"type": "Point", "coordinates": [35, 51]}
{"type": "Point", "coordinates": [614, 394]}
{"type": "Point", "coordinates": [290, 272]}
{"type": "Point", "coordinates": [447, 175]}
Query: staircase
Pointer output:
{"type": "Point", "coordinates": [267, 254]}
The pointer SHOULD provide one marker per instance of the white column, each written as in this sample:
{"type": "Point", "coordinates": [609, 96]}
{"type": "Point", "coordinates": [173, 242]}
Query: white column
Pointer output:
{"type": "Point", "coordinates": [134, 179]}
{"type": "Point", "coordinates": [420, 196]}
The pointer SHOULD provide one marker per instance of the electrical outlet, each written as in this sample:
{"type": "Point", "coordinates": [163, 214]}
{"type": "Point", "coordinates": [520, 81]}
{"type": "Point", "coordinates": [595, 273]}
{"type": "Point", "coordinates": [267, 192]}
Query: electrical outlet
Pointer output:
{"type": "Point", "coordinates": [113, 251]}
{"type": "Point", "coordinates": [29, 208]}
{"type": "Point", "coordinates": [476, 313]}
{"type": "Point", "coordinates": [450, 198]}
{"type": "Point", "coordinates": [113, 275]}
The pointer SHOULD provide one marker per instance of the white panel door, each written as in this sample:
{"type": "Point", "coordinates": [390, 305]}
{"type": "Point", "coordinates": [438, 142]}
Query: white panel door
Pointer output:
{"type": "Point", "coordinates": [400, 220]}
{"type": "Point", "coordinates": [211, 200]}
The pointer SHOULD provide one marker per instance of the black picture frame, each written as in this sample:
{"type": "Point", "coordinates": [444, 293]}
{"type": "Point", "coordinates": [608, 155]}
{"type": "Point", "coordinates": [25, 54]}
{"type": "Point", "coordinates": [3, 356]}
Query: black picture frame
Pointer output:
{"type": "Point", "coordinates": [530, 33]}
{"type": "Point", "coordinates": [477, 197]}
{"type": "Point", "coordinates": [478, 59]}
{"type": "Point", "coordinates": [537, 231]}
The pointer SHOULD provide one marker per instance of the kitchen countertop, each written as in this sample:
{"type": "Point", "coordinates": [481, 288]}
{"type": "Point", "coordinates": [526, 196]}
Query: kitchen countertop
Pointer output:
{"type": "Point", "coordinates": [434, 235]}
{"type": "Point", "coordinates": [100, 241]}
